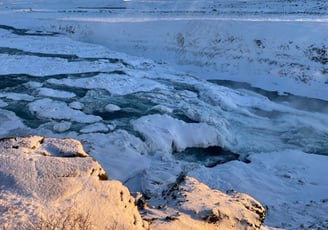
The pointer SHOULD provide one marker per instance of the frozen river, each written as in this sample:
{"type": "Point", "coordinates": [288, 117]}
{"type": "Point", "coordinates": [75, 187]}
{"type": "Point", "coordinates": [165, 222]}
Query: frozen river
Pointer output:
{"type": "Point", "coordinates": [233, 96]}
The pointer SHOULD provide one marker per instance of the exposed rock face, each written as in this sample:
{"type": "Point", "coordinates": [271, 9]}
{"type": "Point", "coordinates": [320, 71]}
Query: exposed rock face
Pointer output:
{"type": "Point", "coordinates": [42, 177]}
{"type": "Point", "coordinates": [193, 205]}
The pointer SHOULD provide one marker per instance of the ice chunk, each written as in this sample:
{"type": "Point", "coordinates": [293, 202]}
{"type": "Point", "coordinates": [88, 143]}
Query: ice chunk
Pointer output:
{"type": "Point", "coordinates": [166, 134]}
{"type": "Point", "coordinates": [162, 109]}
{"type": "Point", "coordinates": [48, 92]}
{"type": "Point", "coordinates": [76, 105]}
{"type": "Point", "coordinates": [3, 104]}
{"type": "Point", "coordinates": [112, 108]}
{"type": "Point", "coordinates": [94, 128]}
{"type": "Point", "coordinates": [9, 122]}
{"type": "Point", "coordinates": [113, 83]}
{"type": "Point", "coordinates": [17, 96]}
{"type": "Point", "coordinates": [47, 108]}
{"type": "Point", "coordinates": [33, 84]}
{"type": "Point", "coordinates": [62, 126]}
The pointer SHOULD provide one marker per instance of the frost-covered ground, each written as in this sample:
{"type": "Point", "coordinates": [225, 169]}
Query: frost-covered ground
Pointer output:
{"type": "Point", "coordinates": [148, 123]}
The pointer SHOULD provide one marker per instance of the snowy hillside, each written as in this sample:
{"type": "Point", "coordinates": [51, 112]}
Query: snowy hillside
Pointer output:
{"type": "Point", "coordinates": [232, 93]}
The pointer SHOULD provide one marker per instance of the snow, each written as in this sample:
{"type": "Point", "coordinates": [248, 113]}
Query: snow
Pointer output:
{"type": "Point", "coordinates": [132, 114]}
{"type": "Point", "coordinates": [195, 201]}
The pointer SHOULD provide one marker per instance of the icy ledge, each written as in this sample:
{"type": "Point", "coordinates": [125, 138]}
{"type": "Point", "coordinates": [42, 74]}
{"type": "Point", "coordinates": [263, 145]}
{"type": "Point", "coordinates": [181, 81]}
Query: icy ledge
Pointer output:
{"type": "Point", "coordinates": [56, 177]}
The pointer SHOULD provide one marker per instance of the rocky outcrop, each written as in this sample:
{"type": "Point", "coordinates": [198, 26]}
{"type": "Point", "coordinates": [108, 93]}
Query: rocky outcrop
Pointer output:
{"type": "Point", "coordinates": [189, 204]}
{"type": "Point", "coordinates": [45, 180]}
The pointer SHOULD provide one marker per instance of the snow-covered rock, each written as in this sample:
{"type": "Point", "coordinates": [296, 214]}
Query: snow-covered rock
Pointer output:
{"type": "Point", "coordinates": [42, 176]}
{"type": "Point", "coordinates": [189, 204]}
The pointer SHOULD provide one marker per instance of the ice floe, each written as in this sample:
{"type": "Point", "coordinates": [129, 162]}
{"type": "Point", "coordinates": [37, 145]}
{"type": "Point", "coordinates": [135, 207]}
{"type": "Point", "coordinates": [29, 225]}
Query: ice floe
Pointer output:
{"type": "Point", "coordinates": [113, 83]}
{"type": "Point", "coordinates": [48, 92]}
{"type": "Point", "coordinates": [112, 108]}
{"type": "Point", "coordinates": [17, 96]}
{"type": "Point", "coordinates": [95, 128]}
{"type": "Point", "coordinates": [3, 104]}
{"type": "Point", "coordinates": [62, 126]}
{"type": "Point", "coordinates": [9, 123]}
{"type": "Point", "coordinates": [51, 109]}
